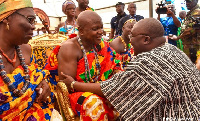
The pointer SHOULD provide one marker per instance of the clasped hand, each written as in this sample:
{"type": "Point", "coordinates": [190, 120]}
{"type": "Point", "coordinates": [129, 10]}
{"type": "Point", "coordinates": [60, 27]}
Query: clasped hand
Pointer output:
{"type": "Point", "coordinates": [43, 91]}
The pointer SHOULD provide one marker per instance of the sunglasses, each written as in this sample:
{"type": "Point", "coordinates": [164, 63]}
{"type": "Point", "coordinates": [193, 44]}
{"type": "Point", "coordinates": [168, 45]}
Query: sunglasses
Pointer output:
{"type": "Point", "coordinates": [31, 19]}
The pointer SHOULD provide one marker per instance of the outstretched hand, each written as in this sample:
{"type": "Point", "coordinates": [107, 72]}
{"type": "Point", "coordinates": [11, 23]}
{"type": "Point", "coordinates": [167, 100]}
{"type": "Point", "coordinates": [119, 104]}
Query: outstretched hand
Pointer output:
{"type": "Point", "coordinates": [43, 91]}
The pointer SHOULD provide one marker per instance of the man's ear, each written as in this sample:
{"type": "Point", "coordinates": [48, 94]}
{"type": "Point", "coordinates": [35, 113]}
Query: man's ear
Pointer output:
{"type": "Point", "coordinates": [80, 30]}
{"type": "Point", "coordinates": [147, 40]}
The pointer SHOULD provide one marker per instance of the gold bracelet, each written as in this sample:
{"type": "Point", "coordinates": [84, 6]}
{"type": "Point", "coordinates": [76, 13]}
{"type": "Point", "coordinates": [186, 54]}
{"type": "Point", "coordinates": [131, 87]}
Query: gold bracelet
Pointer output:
{"type": "Point", "coordinates": [72, 86]}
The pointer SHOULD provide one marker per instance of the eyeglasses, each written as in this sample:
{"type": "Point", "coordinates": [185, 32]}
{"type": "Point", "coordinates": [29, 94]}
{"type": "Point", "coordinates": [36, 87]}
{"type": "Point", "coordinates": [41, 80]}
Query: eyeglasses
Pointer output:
{"type": "Point", "coordinates": [131, 36]}
{"type": "Point", "coordinates": [31, 19]}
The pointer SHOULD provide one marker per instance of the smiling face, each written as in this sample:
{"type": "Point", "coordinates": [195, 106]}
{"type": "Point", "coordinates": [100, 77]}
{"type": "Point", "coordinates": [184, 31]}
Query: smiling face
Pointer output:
{"type": "Point", "coordinates": [128, 27]}
{"type": "Point", "coordinates": [22, 25]}
{"type": "Point", "coordinates": [146, 35]}
{"type": "Point", "coordinates": [90, 27]}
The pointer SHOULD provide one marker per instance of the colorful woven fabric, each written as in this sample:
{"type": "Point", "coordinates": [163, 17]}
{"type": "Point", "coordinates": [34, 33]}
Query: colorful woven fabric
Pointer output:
{"type": "Point", "coordinates": [126, 56]}
{"type": "Point", "coordinates": [91, 107]}
{"type": "Point", "coordinates": [7, 7]}
{"type": "Point", "coordinates": [41, 54]}
{"type": "Point", "coordinates": [24, 107]}
{"type": "Point", "coordinates": [109, 61]}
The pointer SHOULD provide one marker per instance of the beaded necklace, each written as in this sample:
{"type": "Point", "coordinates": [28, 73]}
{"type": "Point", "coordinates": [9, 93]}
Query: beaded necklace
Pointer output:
{"type": "Point", "coordinates": [125, 47]}
{"type": "Point", "coordinates": [87, 69]}
{"type": "Point", "coordinates": [6, 79]}
{"type": "Point", "coordinates": [13, 61]}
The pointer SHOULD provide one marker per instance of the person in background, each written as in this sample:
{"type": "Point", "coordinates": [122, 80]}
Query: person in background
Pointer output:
{"type": "Point", "coordinates": [190, 34]}
{"type": "Point", "coordinates": [69, 26]}
{"type": "Point", "coordinates": [115, 20]}
{"type": "Point", "coordinates": [170, 23]}
{"type": "Point", "coordinates": [122, 44]}
{"type": "Point", "coordinates": [82, 6]}
{"type": "Point", "coordinates": [104, 37]}
{"type": "Point", "coordinates": [132, 15]}
{"type": "Point", "coordinates": [89, 59]}
{"type": "Point", "coordinates": [182, 15]}
{"type": "Point", "coordinates": [161, 83]}
{"type": "Point", "coordinates": [25, 93]}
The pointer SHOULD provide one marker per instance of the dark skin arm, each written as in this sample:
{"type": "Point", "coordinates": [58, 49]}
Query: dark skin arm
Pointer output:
{"type": "Point", "coordinates": [68, 57]}
{"type": "Point", "coordinates": [83, 87]}
{"type": "Point", "coordinates": [117, 45]}
{"type": "Point", "coordinates": [175, 19]}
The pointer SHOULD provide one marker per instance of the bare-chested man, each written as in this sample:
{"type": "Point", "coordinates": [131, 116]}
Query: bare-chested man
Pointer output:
{"type": "Point", "coordinates": [88, 59]}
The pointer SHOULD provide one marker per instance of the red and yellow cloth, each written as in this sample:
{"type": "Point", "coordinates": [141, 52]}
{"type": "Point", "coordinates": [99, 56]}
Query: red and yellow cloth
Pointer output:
{"type": "Point", "coordinates": [87, 105]}
{"type": "Point", "coordinates": [24, 107]}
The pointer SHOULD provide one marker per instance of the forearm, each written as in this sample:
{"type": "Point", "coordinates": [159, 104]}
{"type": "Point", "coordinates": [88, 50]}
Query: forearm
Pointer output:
{"type": "Point", "coordinates": [88, 87]}
{"type": "Point", "coordinates": [158, 17]}
{"type": "Point", "coordinates": [176, 21]}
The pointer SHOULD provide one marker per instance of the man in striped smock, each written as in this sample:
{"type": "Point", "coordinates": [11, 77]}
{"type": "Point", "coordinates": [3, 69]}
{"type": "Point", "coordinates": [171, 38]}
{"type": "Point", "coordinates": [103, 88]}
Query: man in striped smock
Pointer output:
{"type": "Point", "coordinates": [161, 83]}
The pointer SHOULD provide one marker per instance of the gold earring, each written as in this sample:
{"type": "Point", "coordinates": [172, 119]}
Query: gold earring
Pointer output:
{"type": "Point", "coordinates": [7, 26]}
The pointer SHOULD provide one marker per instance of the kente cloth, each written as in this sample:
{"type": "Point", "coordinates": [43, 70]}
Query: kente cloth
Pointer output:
{"type": "Point", "coordinates": [24, 107]}
{"type": "Point", "coordinates": [191, 42]}
{"type": "Point", "coordinates": [127, 55]}
{"type": "Point", "coordinates": [41, 54]}
{"type": "Point", "coordinates": [89, 8]}
{"type": "Point", "coordinates": [7, 7]}
{"type": "Point", "coordinates": [109, 61]}
{"type": "Point", "coordinates": [162, 84]}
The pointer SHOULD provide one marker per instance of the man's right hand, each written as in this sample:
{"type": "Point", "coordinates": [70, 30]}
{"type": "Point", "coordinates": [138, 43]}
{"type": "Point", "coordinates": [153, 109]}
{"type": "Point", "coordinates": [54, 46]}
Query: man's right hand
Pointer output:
{"type": "Point", "coordinates": [68, 80]}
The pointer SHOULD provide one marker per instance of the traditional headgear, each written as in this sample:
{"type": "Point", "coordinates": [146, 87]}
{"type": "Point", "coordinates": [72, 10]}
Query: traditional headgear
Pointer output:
{"type": "Point", "coordinates": [65, 4]}
{"type": "Point", "coordinates": [129, 20]}
{"type": "Point", "coordinates": [7, 7]}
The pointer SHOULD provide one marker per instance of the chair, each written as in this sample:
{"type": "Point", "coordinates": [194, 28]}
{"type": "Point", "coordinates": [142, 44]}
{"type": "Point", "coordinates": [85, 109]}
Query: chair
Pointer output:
{"type": "Point", "coordinates": [64, 103]}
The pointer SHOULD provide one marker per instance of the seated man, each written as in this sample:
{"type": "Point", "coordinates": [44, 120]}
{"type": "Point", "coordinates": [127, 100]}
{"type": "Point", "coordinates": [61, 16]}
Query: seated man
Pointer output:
{"type": "Point", "coordinates": [88, 59]}
{"type": "Point", "coordinates": [161, 83]}
{"type": "Point", "coordinates": [122, 44]}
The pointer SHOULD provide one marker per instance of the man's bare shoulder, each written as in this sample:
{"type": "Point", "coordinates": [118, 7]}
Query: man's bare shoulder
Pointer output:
{"type": "Point", "coordinates": [117, 45]}
{"type": "Point", "coordinates": [70, 48]}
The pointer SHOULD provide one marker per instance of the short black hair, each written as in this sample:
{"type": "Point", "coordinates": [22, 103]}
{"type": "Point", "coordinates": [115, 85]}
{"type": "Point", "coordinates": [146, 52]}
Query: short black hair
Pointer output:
{"type": "Point", "coordinates": [120, 3]}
